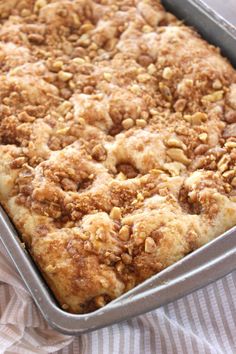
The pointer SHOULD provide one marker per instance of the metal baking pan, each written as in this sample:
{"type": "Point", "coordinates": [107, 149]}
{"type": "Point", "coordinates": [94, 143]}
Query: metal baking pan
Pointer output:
{"type": "Point", "coordinates": [209, 23]}
{"type": "Point", "coordinates": [199, 268]}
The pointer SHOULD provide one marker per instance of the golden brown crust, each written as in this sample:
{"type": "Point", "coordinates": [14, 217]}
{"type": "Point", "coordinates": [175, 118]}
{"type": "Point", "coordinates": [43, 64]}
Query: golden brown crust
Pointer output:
{"type": "Point", "coordinates": [118, 141]}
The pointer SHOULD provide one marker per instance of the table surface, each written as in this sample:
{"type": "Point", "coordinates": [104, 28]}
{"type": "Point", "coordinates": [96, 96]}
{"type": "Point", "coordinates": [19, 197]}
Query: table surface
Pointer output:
{"type": "Point", "coordinates": [227, 8]}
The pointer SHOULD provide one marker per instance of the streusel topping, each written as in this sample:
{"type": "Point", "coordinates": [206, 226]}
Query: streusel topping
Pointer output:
{"type": "Point", "coordinates": [118, 141]}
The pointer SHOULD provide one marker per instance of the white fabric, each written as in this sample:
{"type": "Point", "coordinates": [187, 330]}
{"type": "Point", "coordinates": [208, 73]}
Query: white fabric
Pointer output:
{"type": "Point", "coordinates": [202, 322]}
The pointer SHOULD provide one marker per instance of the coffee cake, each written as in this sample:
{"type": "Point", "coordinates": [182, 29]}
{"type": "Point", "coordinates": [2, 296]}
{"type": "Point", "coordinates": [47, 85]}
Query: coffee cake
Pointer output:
{"type": "Point", "coordinates": [117, 141]}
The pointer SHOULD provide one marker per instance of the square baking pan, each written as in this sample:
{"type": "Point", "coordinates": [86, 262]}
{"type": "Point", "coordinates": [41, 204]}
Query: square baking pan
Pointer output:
{"type": "Point", "coordinates": [199, 268]}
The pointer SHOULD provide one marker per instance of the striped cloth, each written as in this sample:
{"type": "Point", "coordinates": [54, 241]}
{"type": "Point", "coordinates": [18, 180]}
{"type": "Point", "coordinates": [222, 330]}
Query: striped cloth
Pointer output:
{"type": "Point", "coordinates": [203, 322]}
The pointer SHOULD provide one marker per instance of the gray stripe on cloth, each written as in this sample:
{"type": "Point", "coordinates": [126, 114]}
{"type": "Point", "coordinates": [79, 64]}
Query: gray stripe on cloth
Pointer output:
{"type": "Point", "coordinates": [205, 321]}
{"type": "Point", "coordinates": [218, 293]}
{"type": "Point", "coordinates": [171, 335]}
{"type": "Point", "coordinates": [174, 326]}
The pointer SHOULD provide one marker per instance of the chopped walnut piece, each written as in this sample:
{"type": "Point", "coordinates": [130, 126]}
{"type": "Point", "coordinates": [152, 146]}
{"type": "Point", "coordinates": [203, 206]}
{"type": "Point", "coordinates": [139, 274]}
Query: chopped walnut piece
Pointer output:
{"type": "Point", "coordinates": [180, 105]}
{"type": "Point", "coordinates": [175, 142]}
{"type": "Point", "coordinates": [230, 131]}
{"type": "Point", "coordinates": [213, 97]}
{"type": "Point", "coordinates": [36, 38]}
{"type": "Point", "coordinates": [230, 144]}
{"type": "Point", "coordinates": [100, 301]}
{"type": "Point", "coordinates": [167, 73]}
{"type": "Point", "coordinates": [124, 233]}
{"type": "Point", "coordinates": [230, 117]}
{"type": "Point", "coordinates": [120, 267]}
{"type": "Point", "coordinates": [185, 87]}
{"type": "Point", "coordinates": [65, 107]}
{"type": "Point", "coordinates": [64, 76]}
{"type": "Point", "coordinates": [25, 117]}
{"type": "Point", "coordinates": [174, 168]}
{"type": "Point", "coordinates": [147, 29]}
{"type": "Point", "coordinates": [79, 61]}
{"type": "Point", "coordinates": [201, 149]}
{"type": "Point", "coordinates": [99, 153]}
{"type": "Point", "coordinates": [126, 258]}
{"type": "Point", "coordinates": [151, 69]}
{"type": "Point", "coordinates": [178, 155]}
{"type": "Point", "coordinates": [107, 76]}
{"type": "Point", "coordinates": [165, 90]}
{"type": "Point", "coordinates": [198, 118]}
{"type": "Point", "coordinates": [143, 77]}
{"type": "Point", "coordinates": [223, 163]}
{"type": "Point", "coordinates": [25, 13]}
{"type": "Point", "coordinates": [141, 123]}
{"type": "Point", "coordinates": [115, 213]}
{"type": "Point", "coordinates": [86, 27]}
{"type": "Point", "coordinates": [150, 245]}
{"type": "Point", "coordinates": [84, 236]}
{"type": "Point", "coordinates": [128, 123]}
{"type": "Point", "coordinates": [50, 268]}
{"type": "Point", "coordinates": [63, 131]}
{"type": "Point", "coordinates": [182, 130]}
{"type": "Point", "coordinates": [39, 4]}
{"type": "Point", "coordinates": [217, 84]}
{"type": "Point", "coordinates": [56, 65]}
{"type": "Point", "coordinates": [203, 137]}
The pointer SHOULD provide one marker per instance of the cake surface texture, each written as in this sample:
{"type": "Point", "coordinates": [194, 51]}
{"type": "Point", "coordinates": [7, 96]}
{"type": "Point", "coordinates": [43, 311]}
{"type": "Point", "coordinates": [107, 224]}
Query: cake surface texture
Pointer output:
{"type": "Point", "coordinates": [117, 141]}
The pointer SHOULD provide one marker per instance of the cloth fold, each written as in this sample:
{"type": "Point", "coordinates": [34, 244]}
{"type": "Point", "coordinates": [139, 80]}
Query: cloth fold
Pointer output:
{"type": "Point", "coordinates": [22, 328]}
{"type": "Point", "coordinates": [202, 322]}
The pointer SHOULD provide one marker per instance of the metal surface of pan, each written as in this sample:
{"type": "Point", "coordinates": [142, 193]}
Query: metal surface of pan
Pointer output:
{"type": "Point", "coordinates": [210, 24]}
{"type": "Point", "coordinates": [201, 267]}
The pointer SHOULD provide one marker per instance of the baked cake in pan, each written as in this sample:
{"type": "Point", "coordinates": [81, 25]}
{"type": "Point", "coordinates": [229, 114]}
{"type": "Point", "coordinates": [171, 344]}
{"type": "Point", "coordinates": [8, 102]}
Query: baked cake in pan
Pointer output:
{"type": "Point", "coordinates": [117, 141]}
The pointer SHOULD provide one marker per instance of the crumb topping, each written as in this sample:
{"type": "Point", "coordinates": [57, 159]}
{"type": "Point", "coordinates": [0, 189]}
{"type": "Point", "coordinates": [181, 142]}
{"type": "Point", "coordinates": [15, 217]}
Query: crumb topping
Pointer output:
{"type": "Point", "coordinates": [117, 140]}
